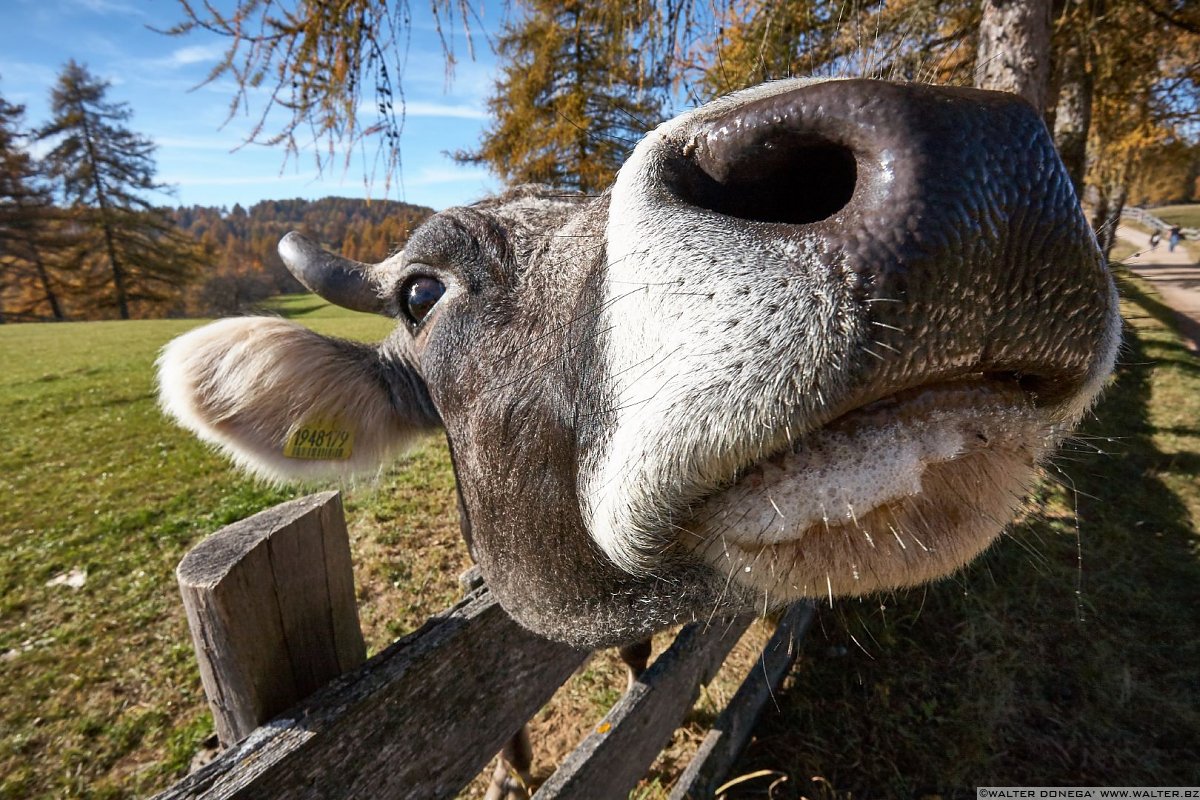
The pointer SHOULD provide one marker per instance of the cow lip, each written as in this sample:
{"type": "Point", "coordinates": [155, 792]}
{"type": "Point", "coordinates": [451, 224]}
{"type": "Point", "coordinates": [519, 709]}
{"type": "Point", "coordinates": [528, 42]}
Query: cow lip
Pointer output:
{"type": "Point", "coordinates": [918, 427]}
{"type": "Point", "coordinates": [973, 390]}
{"type": "Point", "coordinates": [896, 492]}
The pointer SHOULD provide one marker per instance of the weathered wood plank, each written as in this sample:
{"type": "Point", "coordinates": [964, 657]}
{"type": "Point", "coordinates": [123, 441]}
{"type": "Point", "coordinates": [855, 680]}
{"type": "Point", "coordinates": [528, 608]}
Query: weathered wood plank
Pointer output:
{"type": "Point", "coordinates": [420, 719]}
{"type": "Point", "coordinates": [339, 574]}
{"type": "Point", "coordinates": [731, 732]}
{"type": "Point", "coordinates": [610, 761]}
{"type": "Point", "coordinates": [270, 602]}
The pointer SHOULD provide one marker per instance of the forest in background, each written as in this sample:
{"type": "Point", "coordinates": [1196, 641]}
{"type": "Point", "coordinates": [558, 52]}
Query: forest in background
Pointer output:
{"type": "Point", "coordinates": [239, 244]}
{"type": "Point", "coordinates": [81, 237]}
{"type": "Point", "coordinates": [238, 252]}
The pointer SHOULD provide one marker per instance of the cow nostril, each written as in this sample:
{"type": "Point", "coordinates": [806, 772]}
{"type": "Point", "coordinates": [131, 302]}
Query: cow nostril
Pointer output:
{"type": "Point", "coordinates": [785, 178]}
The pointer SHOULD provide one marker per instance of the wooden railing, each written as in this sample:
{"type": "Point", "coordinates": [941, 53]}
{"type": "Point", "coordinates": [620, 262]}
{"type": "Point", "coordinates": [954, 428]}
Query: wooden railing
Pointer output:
{"type": "Point", "coordinates": [1149, 219]}
{"type": "Point", "coordinates": [270, 602]}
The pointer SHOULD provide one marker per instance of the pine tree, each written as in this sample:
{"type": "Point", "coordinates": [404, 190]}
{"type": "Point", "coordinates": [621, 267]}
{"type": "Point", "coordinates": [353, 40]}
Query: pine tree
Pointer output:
{"type": "Point", "coordinates": [573, 96]}
{"type": "Point", "coordinates": [106, 173]}
{"type": "Point", "coordinates": [28, 239]}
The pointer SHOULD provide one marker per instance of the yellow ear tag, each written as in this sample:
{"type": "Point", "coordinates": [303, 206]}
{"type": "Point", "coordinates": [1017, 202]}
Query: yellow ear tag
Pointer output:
{"type": "Point", "coordinates": [320, 440]}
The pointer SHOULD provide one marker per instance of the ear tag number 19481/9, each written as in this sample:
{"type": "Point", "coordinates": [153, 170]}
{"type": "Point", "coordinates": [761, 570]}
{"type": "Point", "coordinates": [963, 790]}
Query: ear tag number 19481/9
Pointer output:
{"type": "Point", "coordinates": [320, 440]}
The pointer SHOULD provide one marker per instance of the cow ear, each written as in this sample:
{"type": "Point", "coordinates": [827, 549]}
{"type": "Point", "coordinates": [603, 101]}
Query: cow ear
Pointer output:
{"type": "Point", "coordinates": [289, 404]}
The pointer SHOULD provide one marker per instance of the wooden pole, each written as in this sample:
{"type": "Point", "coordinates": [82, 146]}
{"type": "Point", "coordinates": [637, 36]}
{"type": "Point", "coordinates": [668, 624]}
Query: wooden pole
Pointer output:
{"type": "Point", "coordinates": [419, 720]}
{"type": "Point", "coordinates": [731, 733]}
{"type": "Point", "coordinates": [270, 602]}
{"type": "Point", "coordinates": [611, 760]}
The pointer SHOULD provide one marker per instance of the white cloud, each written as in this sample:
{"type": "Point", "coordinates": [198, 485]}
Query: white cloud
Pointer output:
{"type": "Point", "coordinates": [239, 180]}
{"type": "Point", "coordinates": [224, 144]}
{"type": "Point", "coordinates": [38, 148]}
{"type": "Point", "coordinates": [423, 108]}
{"type": "Point", "coordinates": [26, 76]}
{"type": "Point", "coordinates": [108, 7]}
{"type": "Point", "coordinates": [195, 54]}
{"type": "Point", "coordinates": [425, 74]}
{"type": "Point", "coordinates": [416, 108]}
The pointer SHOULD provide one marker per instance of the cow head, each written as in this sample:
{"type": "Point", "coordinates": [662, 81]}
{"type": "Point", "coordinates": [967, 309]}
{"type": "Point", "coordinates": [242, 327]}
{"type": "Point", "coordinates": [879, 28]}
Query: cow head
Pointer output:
{"type": "Point", "coordinates": [815, 340]}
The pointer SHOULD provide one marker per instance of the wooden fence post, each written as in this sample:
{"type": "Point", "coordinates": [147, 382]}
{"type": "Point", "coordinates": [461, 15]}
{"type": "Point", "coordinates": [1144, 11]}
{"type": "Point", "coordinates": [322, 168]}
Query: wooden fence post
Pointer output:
{"type": "Point", "coordinates": [610, 761]}
{"type": "Point", "coordinates": [270, 602]}
{"type": "Point", "coordinates": [419, 720]}
{"type": "Point", "coordinates": [731, 732]}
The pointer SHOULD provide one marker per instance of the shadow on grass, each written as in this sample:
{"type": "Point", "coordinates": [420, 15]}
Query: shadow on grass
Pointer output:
{"type": "Point", "coordinates": [1163, 313]}
{"type": "Point", "coordinates": [1059, 658]}
{"type": "Point", "coordinates": [1179, 430]}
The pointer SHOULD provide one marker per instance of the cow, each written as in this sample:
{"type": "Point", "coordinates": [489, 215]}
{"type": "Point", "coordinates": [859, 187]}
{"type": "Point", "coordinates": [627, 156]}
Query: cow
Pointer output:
{"type": "Point", "coordinates": [815, 340]}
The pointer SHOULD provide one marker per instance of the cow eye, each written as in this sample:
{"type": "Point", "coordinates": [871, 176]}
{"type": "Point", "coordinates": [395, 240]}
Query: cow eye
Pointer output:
{"type": "Point", "coordinates": [420, 294]}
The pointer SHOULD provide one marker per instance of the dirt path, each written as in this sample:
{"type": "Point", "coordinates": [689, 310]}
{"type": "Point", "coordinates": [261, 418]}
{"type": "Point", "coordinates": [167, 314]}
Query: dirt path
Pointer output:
{"type": "Point", "coordinates": [1176, 276]}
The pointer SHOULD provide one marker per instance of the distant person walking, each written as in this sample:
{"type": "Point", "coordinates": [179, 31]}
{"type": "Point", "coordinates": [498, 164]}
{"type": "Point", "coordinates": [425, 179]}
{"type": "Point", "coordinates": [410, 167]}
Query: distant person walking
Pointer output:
{"type": "Point", "coordinates": [1176, 235]}
{"type": "Point", "coordinates": [1155, 238]}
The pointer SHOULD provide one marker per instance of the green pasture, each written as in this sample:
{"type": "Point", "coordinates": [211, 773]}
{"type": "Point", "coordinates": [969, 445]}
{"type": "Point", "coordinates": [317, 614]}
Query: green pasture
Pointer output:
{"type": "Point", "coordinates": [101, 697]}
{"type": "Point", "coordinates": [1069, 654]}
{"type": "Point", "coordinates": [1187, 216]}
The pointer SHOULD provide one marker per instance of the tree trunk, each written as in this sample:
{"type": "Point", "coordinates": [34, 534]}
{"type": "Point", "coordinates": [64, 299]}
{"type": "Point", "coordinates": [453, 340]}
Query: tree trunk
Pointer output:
{"type": "Point", "coordinates": [581, 133]}
{"type": "Point", "coordinates": [1100, 212]}
{"type": "Point", "coordinates": [106, 220]}
{"type": "Point", "coordinates": [32, 243]}
{"type": "Point", "coordinates": [1014, 49]}
{"type": "Point", "coordinates": [1073, 115]}
{"type": "Point", "coordinates": [51, 297]}
{"type": "Point", "coordinates": [114, 263]}
{"type": "Point", "coordinates": [1113, 189]}
{"type": "Point", "coordinates": [1106, 233]}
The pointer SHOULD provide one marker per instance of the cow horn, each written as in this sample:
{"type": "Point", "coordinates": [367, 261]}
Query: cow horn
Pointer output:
{"type": "Point", "coordinates": [341, 281]}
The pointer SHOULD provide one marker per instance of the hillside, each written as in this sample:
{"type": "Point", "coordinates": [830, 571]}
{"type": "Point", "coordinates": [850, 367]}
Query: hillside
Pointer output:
{"type": "Point", "coordinates": [243, 266]}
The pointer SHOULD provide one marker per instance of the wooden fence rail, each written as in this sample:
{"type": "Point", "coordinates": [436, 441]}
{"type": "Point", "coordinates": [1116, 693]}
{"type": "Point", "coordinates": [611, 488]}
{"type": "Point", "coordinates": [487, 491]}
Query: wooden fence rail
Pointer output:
{"type": "Point", "coordinates": [1149, 218]}
{"type": "Point", "coordinates": [425, 716]}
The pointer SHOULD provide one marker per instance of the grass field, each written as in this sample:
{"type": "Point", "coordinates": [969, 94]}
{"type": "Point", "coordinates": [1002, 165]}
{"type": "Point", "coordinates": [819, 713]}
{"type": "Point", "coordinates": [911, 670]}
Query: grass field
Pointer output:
{"type": "Point", "coordinates": [1187, 216]}
{"type": "Point", "coordinates": [1068, 655]}
{"type": "Point", "coordinates": [101, 695]}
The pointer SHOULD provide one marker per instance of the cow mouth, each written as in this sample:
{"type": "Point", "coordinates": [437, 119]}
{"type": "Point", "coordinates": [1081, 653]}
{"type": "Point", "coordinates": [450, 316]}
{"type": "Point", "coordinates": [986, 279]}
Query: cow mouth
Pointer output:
{"type": "Point", "coordinates": [894, 493]}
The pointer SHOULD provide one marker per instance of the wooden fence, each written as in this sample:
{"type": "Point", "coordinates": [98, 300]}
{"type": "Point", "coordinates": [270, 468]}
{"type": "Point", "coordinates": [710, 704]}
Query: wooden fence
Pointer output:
{"type": "Point", "coordinates": [1149, 219]}
{"type": "Point", "coordinates": [270, 601]}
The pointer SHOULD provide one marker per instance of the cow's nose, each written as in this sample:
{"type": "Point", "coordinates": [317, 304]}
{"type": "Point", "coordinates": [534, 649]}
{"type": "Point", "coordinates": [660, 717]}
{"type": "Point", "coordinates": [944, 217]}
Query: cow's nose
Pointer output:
{"type": "Point", "coordinates": [781, 160]}
{"type": "Point", "coordinates": [949, 203]}
{"type": "Point", "coordinates": [930, 155]}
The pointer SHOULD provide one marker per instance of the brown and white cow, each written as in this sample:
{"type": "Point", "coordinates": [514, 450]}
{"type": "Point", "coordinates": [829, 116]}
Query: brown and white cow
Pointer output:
{"type": "Point", "coordinates": [814, 341]}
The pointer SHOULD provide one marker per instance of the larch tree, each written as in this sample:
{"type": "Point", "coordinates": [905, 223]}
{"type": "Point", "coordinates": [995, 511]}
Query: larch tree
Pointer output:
{"type": "Point", "coordinates": [1146, 98]}
{"type": "Point", "coordinates": [573, 95]}
{"type": "Point", "coordinates": [106, 176]}
{"type": "Point", "coordinates": [322, 69]}
{"type": "Point", "coordinates": [318, 61]}
{"type": "Point", "coordinates": [27, 235]}
{"type": "Point", "coordinates": [921, 40]}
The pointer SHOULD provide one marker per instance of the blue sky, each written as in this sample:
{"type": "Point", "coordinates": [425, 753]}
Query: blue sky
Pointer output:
{"type": "Point", "coordinates": [197, 150]}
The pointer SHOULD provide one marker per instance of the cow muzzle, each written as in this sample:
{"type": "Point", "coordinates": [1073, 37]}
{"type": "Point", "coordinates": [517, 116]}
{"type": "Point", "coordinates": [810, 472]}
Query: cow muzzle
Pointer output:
{"type": "Point", "coordinates": [926, 316]}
